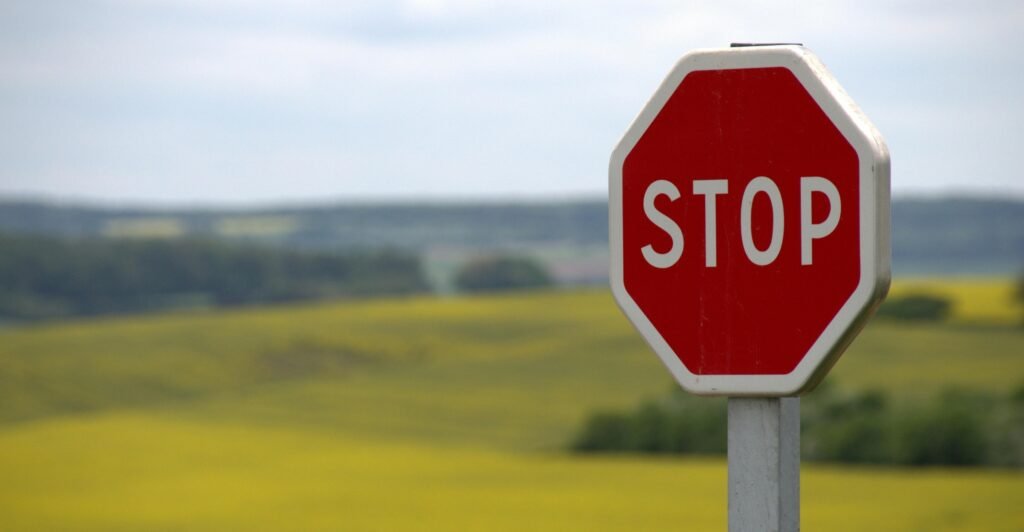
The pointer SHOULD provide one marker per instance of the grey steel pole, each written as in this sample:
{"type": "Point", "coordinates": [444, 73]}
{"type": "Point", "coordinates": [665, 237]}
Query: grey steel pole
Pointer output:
{"type": "Point", "coordinates": [764, 464]}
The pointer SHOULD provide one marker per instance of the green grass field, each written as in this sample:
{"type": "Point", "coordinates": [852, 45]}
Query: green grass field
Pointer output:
{"type": "Point", "coordinates": [434, 414]}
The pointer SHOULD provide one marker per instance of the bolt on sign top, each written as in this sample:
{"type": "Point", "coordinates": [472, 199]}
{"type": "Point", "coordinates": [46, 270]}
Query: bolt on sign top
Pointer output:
{"type": "Point", "coordinates": [749, 221]}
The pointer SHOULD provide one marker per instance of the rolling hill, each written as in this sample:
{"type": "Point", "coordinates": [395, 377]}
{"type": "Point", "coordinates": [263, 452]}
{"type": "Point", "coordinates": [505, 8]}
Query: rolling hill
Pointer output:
{"type": "Point", "coordinates": [432, 413]}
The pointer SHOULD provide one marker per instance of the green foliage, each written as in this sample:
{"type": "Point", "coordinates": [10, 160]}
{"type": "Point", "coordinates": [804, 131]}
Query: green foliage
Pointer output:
{"type": "Point", "coordinates": [956, 428]}
{"type": "Point", "coordinates": [501, 273]}
{"type": "Point", "coordinates": [1007, 447]}
{"type": "Point", "coordinates": [916, 307]}
{"type": "Point", "coordinates": [681, 424]}
{"type": "Point", "coordinates": [604, 431]}
{"type": "Point", "coordinates": [855, 429]}
{"type": "Point", "coordinates": [47, 278]}
{"type": "Point", "coordinates": [696, 424]}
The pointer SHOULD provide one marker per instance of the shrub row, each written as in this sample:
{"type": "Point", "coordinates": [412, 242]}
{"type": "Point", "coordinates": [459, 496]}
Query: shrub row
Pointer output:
{"type": "Point", "coordinates": [954, 428]}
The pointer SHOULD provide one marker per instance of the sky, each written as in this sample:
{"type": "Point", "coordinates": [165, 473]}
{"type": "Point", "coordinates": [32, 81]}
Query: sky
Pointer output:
{"type": "Point", "coordinates": [263, 101]}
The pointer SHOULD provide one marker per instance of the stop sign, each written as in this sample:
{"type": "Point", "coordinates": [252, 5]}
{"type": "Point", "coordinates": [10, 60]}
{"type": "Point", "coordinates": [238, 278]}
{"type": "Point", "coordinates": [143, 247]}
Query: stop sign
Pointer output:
{"type": "Point", "coordinates": [749, 221]}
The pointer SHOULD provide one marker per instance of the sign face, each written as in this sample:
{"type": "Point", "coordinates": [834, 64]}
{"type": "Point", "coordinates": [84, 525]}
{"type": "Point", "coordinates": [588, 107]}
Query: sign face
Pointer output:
{"type": "Point", "coordinates": [749, 221]}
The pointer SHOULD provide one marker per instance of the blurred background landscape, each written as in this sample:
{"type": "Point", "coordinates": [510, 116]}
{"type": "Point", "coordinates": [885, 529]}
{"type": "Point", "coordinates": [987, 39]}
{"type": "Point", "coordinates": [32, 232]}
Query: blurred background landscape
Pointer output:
{"type": "Point", "coordinates": [344, 267]}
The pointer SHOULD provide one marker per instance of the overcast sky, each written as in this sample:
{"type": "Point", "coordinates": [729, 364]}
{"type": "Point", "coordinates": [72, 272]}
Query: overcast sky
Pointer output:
{"type": "Point", "coordinates": [234, 101]}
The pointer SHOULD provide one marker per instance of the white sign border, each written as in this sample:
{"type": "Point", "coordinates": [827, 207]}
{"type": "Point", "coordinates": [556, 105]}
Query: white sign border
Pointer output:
{"type": "Point", "coordinates": [873, 157]}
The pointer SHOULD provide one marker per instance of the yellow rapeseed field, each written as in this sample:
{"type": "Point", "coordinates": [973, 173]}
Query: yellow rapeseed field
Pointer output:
{"type": "Point", "coordinates": [978, 300]}
{"type": "Point", "coordinates": [434, 414]}
{"type": "Point", "coordinates": [134, 471]}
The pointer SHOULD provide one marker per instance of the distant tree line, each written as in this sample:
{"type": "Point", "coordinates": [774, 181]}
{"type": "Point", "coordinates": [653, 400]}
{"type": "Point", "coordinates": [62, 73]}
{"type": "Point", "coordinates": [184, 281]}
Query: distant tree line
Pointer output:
{"type": "Point", "coordinates": [933, 235]}
{"type": "Point", "coordinates": [954, 428]}
{"type": "Point", "coordinates": [43, 277]}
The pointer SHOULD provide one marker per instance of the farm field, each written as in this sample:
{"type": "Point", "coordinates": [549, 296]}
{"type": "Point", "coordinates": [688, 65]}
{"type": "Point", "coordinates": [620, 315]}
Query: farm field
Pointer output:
{"type": "Point", "coordinates": [435, 414]}
{"type": "Point", "coordinates": [132, 471]}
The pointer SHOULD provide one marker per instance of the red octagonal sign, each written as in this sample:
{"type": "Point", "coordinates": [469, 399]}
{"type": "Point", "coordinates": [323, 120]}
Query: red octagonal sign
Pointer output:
{"type": "Point", "coordinates": [749, 221]}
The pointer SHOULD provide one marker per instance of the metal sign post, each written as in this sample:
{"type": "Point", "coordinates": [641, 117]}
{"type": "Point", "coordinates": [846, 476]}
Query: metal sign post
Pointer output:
{"type": "Point", "coordinates": [764, 464]}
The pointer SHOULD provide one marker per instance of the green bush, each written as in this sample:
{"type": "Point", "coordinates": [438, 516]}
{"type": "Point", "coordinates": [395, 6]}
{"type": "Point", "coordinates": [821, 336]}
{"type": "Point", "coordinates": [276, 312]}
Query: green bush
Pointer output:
{"type": "Point", "coordinates": [501, 273]}
{"type": "Point", "coordinates": [603, 431]}
{"type": "Point", "coordinates": [1008, 441]}
{"type": "Point", "coordinates": [680, 424]}
{"type": "Point", "coordinates": [949, 431]}
{"type": "Point", "coordinates": [916, 307]}
{"type": "Point", "coordinates": [697, 424]}
{"type": "Point", "coordinates": [855, 429]}
{"type": "Point", "coordinates": [648, 429]}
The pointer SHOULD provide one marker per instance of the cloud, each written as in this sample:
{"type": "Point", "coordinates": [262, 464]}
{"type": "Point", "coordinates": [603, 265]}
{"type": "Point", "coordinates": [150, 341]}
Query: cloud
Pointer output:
{"type": "Point", "coordinates": [148, 98]}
